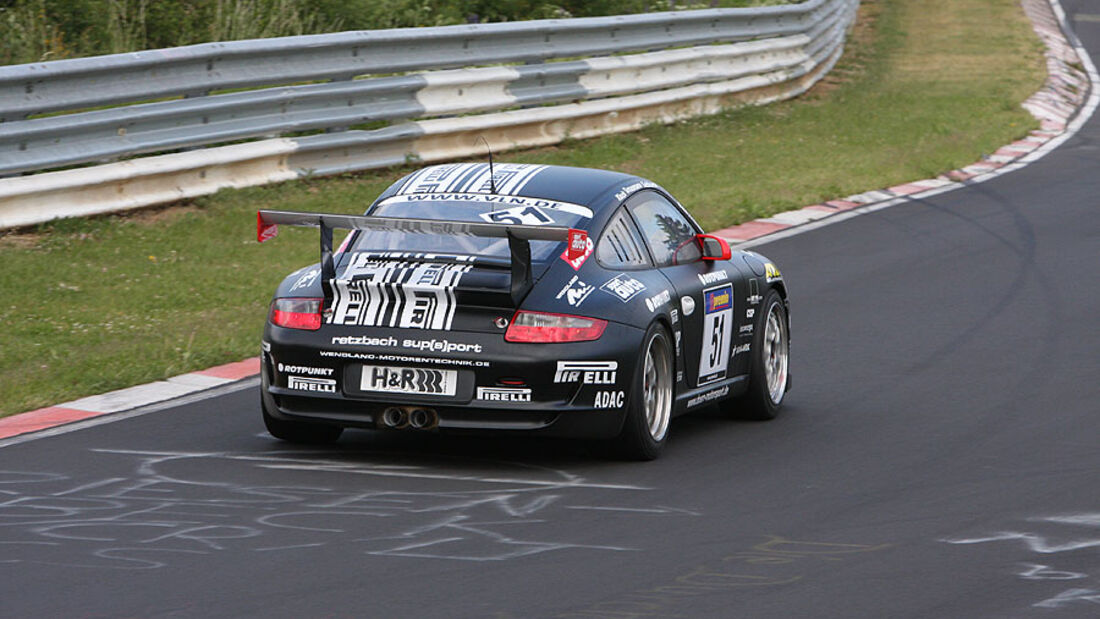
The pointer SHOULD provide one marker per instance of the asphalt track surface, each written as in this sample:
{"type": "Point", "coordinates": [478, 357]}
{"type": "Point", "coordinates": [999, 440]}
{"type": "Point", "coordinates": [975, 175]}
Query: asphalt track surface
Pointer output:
{"type": "Point", "coordinates": [939, 456]}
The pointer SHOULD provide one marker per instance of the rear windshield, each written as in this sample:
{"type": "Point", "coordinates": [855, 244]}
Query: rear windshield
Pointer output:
{"type": "Point", "coordinates": [482, 208]}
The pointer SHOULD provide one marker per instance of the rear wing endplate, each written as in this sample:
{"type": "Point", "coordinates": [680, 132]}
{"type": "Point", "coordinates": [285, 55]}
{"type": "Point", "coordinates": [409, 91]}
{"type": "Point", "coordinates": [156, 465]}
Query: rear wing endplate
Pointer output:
{"type": "Point", "coordinates": [519, 237]}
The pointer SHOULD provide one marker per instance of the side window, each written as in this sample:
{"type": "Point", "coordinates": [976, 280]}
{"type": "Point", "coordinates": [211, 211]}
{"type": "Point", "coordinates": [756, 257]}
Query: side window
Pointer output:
{"type": "Point", "coordinates": [620, 246]}
{"type": "Point", "coordinates": [669, 234]}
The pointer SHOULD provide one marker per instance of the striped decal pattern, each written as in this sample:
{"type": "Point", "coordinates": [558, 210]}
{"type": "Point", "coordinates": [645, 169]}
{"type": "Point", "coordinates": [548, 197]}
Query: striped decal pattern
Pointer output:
{"type": "Point", "coordinates": [396, 293]}
{"type": "Point", "coordinates": [509, 178]}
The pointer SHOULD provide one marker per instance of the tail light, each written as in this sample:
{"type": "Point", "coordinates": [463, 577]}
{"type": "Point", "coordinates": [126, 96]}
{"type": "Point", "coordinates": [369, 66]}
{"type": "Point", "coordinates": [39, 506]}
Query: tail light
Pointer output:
{"type": "Point", "coordinates": [296, 313]}
{"type": "Point", "coordinates": [548, 328]}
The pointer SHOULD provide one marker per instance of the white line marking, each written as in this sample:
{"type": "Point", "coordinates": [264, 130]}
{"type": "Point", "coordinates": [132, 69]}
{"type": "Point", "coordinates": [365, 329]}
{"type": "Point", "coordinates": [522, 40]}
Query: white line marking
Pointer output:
{"type": "Point", "coordinates": [94, 484]}
{"type": "Point", "coordinates": [1071, 595]}
{"type": "Point", "coordinates": [290, 547]}
{"type": "Point", "coordinates": [1091, 520]}
{"type": "Point", "coordinates": [1035, 571]}
{"type": "Point", "coordinates": [656, 510]}
{"type": "Point", "coordinates": [794, 218]}
{"type": "Point", "coordinates": [1034, 543]}
{"type": "Point", "coordinates": [485, 480]}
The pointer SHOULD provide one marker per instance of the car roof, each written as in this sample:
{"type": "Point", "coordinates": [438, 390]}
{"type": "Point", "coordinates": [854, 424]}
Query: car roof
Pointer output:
{"type": "Point", "coordinates": [562, 183]}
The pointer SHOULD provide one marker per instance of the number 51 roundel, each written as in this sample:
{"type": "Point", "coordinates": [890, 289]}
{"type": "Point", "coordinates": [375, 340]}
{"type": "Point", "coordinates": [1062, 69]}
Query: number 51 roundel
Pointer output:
{"type": "Point", "coordinates": [717, 329]}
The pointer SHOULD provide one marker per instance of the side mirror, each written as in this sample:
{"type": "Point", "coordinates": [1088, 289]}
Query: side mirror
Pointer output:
{"type": "Point", "coordinates": [714, 248]}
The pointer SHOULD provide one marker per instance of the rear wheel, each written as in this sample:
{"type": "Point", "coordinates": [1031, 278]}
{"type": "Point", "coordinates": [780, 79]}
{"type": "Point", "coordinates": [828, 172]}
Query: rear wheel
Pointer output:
{"type": "Point", "coordinates": [296, 431]}
{"type": "Point", "coordinates": [649, 407]}
{"type": "Point", "coordinates": [769, 377]}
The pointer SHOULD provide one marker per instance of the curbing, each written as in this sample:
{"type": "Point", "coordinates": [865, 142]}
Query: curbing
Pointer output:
{"type": "Point", "coordinates": [129, 398]}
{"type": "Point", "coordinates": [1066, 92]}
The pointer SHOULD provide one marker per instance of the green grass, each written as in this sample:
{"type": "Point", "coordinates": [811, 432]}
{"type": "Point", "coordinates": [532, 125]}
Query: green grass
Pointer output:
{"type": "Point", "coordinates": [88, 306]}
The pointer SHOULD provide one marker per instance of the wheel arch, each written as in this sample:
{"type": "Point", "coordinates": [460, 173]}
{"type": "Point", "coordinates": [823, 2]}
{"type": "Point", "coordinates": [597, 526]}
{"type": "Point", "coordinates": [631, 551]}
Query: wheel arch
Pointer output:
{"type": "Point", "coordinates": [780, 287]}
{"type": "Point", "coordinates": [666, 323]}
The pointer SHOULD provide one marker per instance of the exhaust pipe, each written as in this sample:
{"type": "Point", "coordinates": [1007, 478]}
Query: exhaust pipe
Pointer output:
{"type": "Point", "coordinates": [423, 419]}
{"type": "Point", "coordinates": [394, 418]}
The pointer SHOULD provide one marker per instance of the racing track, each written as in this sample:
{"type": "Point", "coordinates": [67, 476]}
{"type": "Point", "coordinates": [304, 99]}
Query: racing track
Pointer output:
{"type": "Point", "coordinates": [939, 457]}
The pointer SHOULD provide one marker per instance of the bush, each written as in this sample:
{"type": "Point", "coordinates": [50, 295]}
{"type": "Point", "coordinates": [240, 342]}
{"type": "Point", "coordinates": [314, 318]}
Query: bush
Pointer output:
{"type": "Point", "coordinates": [37, 30]}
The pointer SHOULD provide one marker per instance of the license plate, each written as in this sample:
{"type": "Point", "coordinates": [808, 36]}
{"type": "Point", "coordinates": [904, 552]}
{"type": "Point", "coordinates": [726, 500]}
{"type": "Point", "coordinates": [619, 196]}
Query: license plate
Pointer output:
{"type": "Point", "coordinates": [421, 381]}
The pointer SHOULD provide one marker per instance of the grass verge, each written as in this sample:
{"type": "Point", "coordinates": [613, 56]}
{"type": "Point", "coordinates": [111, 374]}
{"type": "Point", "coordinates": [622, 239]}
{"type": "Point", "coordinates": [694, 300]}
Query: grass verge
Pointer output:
{"type": "Point", "coordinates": [88, 306]}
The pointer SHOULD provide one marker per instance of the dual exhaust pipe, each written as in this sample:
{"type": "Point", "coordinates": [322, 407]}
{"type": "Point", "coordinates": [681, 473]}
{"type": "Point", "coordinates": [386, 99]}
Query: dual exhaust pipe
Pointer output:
{"type": "Point", "coordinates": [415, 417]}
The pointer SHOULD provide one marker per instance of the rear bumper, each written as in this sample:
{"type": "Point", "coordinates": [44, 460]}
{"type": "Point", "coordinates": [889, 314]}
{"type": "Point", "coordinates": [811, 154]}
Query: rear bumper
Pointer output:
{"type": "Point", "coordinates": [552, 400]}
{"type": "Point", "coordinates": [356, 414]}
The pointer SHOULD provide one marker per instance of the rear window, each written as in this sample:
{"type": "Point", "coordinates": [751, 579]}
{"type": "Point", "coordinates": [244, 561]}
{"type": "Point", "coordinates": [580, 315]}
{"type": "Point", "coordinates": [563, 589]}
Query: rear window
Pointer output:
{"type": "Point", "coordinates": [482, 208]}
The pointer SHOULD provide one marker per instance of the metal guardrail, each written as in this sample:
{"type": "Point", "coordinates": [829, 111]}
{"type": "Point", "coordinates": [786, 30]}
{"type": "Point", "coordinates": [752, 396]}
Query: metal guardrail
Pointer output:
{"type": "Point", "coordinates": [709, 58]}
{"type": "Point", "coordinates": [122, 78]}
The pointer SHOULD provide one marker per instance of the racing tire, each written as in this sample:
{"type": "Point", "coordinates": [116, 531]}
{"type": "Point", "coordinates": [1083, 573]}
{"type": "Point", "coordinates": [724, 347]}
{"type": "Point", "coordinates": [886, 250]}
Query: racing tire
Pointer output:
{"type": "Point", "coordinates": [769, 376]}
{"type": "Point", "coordinates": [297, 431]}
{"type": "Point", "coordinates": [649, 405]}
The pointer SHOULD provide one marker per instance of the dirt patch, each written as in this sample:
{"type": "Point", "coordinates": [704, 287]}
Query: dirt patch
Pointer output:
{"type": "Point", "coordinates": [32, 237]}
{"type": "Point", "coordinates": [160, 214]}
{"type": "Point", "coordinates": [21, 240]}
{"type": "Point", "coordinates": [853, 64]}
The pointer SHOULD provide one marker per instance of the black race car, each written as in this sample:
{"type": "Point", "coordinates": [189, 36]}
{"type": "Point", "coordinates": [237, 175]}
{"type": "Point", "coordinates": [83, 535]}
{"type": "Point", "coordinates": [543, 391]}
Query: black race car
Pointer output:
{"type": "Point", "coordinates": [524, 298]}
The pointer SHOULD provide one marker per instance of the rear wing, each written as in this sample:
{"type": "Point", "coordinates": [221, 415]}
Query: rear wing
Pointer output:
{"type": "Point", "coordinates": [519, 237]}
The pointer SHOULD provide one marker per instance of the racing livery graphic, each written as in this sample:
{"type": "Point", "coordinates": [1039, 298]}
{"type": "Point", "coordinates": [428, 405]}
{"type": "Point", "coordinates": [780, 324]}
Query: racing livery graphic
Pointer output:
{"type": "Point", "coordinates": [625, 288]}
{"type": "Point", "coordinates": [521, 298]}
{"type": "Point", "coordinates": [508, 178]}
{"type": "Point", "coordinates": [397, 293]}
{"type": "Point", "coordinates": [408, 380]}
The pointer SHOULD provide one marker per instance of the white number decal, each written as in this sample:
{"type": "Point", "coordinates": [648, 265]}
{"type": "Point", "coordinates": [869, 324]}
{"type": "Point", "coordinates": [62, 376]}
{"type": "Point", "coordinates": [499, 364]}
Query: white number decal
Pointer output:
{"type": "Point", "coordinates": [717, 316]}
{"type": "Point", "coordinates": [520, 215]}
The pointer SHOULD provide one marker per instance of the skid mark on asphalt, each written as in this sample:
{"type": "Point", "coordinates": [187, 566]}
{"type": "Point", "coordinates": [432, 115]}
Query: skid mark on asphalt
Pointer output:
{"type": "Point", "coordinates": [1021, 242]}
{"type": "Point", "coordinates": [175, 505]}
{"type": "Point", "coordinates": [774, 562]}
{"type": "Point", "coordinates": [1055, 535]}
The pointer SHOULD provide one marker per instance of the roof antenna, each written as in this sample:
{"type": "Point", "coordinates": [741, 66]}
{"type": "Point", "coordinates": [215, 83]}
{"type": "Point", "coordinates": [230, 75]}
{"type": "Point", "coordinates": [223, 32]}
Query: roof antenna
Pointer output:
{"type": "Point", "coordinates": [492, 183]}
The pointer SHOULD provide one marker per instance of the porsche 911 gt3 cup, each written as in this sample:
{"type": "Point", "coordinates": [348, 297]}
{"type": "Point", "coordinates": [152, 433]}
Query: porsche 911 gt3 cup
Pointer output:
{"type": "Point", "coordinates": [526, 299]}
